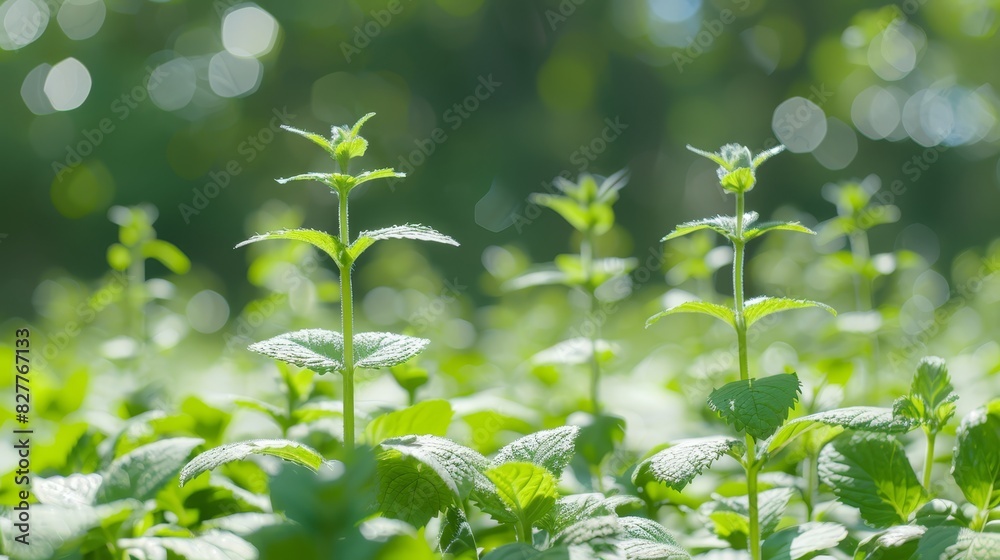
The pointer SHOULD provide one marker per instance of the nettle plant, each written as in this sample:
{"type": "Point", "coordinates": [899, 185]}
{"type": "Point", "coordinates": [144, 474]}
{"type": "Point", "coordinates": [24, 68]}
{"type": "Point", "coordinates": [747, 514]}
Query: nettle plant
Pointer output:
{"type": "Point", "coordinates": [756, 406]}
{"type": "Point", "coordinates": [587, 206]}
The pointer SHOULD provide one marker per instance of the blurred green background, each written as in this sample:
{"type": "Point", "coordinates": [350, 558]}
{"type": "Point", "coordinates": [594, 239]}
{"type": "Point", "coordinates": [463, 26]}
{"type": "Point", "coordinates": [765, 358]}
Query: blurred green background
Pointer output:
{"type": "Point", "coordinates": [175, 103]}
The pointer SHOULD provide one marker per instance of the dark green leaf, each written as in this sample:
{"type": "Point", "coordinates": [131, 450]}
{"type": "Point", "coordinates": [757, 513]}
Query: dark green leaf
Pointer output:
{"type": "Point", "coordinates": [758, 406]}
{"type": "Point", "coordinates": [976, 465]}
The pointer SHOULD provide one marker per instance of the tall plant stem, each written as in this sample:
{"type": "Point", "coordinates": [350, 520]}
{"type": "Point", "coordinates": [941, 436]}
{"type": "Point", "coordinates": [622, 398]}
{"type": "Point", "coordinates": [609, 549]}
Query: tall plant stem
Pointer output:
{"type": "Point", "coordinates": [812, 486]}
{"type": "Point", "coordinates": [929, 460]}
{"type": "Point", "coordinates": [741, 336]}
{"type": "Point", "coordinates": [347, 326]}
{"type": "Point", "coordinates": [864, 301]}
{"type": "Point", "coordinates": [587, 262]}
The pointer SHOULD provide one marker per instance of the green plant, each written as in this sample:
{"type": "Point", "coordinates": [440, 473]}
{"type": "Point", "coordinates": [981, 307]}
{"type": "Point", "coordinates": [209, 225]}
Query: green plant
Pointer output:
{"type": "Point", "coordinates": [326, 351]}
{"type": "Point", "coordinates": [757, 406]}
{"type": "Point", "coordinates": [587, 206]}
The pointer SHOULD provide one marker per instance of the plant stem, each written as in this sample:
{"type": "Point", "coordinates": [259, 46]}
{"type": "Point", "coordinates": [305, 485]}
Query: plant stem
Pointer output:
{"type": "Point", "coordinates": [347, 326]}
{"type": "Point", "coordinates": [587, 263]}
{"type": "Point", "coordinates": [864, 300]}
{"type": "Point", "coordinates": [523, 531]}
{"type": "Point", "coordinates": [750, 465]}
{"type": "Point", "coordinates": [812, 486]}
{"type": "Point", "coordinates": [929, 460]}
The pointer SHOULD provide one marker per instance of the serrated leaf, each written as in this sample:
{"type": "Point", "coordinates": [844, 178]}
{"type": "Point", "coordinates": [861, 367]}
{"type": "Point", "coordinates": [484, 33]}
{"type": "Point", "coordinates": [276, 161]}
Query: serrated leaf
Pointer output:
{"type": "Point", "coordinates": [384, 173]}
{"type": "Point", "coordinates": [802, 541]}
{"type": "Point", "coordinates": [760, 307]}
{"type": "Point", "coordinates": [408, 231]}
{"type": "Point", "coordinates": [325, 178]}
{"type": "Point", "coordinates": [320, 239]}
{"type": "Point", "coordinates": [859, 418]}
{"type": "Point", "coordinates": [594, 531]}
{"type": "Point", "coordinates": [732, 515]}
{"type": "Point", "coordinates": [643, 529]}
{"type": "Point", "coordinates": [210, 545]}
{"type": "Point", "coordinates": [958, 543]}
{"type": "Point", "coordinates": [647, 550]}
{"type": "Point", "coordinates": [456, 533]}
{"type": "Point", "coordinates": [322, 351]}
{"type": "Point", "coordinates": [410, 490]}
{"type": "Point", "coordinates": [71, 492]}
{"type": "Point", "coordinates": [932, 397]}
{"type": "Point", "coordinates": [720, 312]}
{"type": "Point", "coordinates": [576, 507]}
{"type": "Point", "coordinates": [459, 467]}
{"type": "Point", "coordinates": [288, 450]}
{"type": "Point", "coordinates": [429, 417]}
{"type": "Point", "coordinates": [143, 472]}
{"type": "Point", "coordinates": [549, 449]}
{"type": "Point", "coordinates": [723, 225]}
{"type": "Point", "coordinates": [897, 542]}
{"type": "Point", "coordinates": [871, 472]}
{"type": "Point", "coordinates": [679, 464]}
{"type": "Point", "coordinates": [766, 227]}
{"type": "Point", "coordinates": [976, 463]}
{"type": "Point", "coordinates": [317, 139]}
{"type": "Point", "coordinates": [528, 490]}
{"type": "Point", "coordinates": [758, 406]}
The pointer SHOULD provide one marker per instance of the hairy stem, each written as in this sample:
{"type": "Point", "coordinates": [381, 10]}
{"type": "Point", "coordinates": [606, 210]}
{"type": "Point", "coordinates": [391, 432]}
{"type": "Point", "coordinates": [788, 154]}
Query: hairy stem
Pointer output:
{"type": "Point", "coordinates": [587, 262]}
{"type": "Point", "coordinates": [929, 460]}
{"type": "Point", "coordinates": [812, 486]}
{"type": "Point", "coordinates": [347, 327]}
{"type": "Point", "coordinates": [741, 335]}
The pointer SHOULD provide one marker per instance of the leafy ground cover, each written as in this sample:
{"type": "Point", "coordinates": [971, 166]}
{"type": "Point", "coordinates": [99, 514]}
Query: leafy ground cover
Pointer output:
{"type": "Point", "coordinates": [547, 423]}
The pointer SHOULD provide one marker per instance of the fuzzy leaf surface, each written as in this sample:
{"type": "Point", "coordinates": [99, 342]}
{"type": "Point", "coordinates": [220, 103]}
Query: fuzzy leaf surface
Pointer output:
{"type": "Point", "coordinates": [322, 351]}
{"type": "Point", "coordinates": [141, 473]}
{"type": "Point", "coordinates": [320, 239]}
{"type": "Point", "coordinates": [528, 490]}
{"type": "Point", "coordinates": [759, 307]}
{"type": "Point", "coordinates": [976, 462]}
{"type": "Point", "coordinates": [758, 406]}
{"type": "Point", "coordinates": [803, 541]}
{"type": "Point", "coordinates": [859, 418]}
{"type": "Point", "coordinates": [459, 467]}
{"type": "Point", "coordinates": [549, 449]}
{"type": "Point", "coordinates": [288, 450]}
{"type": "Point", "coordinates": [408, 231]}
{"type": "Point", "coordinates": [720, 312]}
{"type": "Point", "coordinates": [723, 225]}
{"type": "Point", "coordinates": [679, 464]}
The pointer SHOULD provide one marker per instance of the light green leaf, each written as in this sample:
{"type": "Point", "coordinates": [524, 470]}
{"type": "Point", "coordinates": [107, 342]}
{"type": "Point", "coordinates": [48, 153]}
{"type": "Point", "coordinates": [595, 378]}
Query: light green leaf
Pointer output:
{"type": "Point", "coordinates": [976, 463]}
{"type": "Point", "coordinates": [679, 464]}
{"type": "Point", "coordinates": [860, 418]}
{"type": "Point", "coordinates": [429, 417]}
{"type": "Point", "coordinates": [319, 239]}
{"type": "Point", "coordinates": [385, 173]}
{"type": "Point", "coordinates": [245, 523]}
{"type": "Point", "coordinates": [322, 351]}
{"type": "Point", "coordinates": [570, 210]}
{"type": "Point", "coordinates": [409, 490]}
{"type": "Point", "coordinates": [932, 398]}
{"type": "Point", "coordinates": [643, 529]}
{"type": "Point", "coordinates": [760, 307]}
{"type": "Point", "coordinates": [766, 227]}
{"type": "Point", "coordinates": [732, 515]}
{"type": "Point", "coordinates": [325, 178]}
{"type": "Point", "coordinates": [645, 550]}
{"type": "Point", "coordinates": [521, 551]}
{"type": "Point", "coordinates": [456, 533]}
{"type": "Point", "coordinates": [143, 472]}
{"type": "Point", "coordinates": [313, 137]}
{"type": "Point", "coordinates": [958, 543]}
{"type": "Point", "coordinates": [723, 225]}
{"type": "Point", "coordinates": [527, 490]}
{"type": "Point", "coordinates": [56, 532]}
{"type": "Point", "coordinates": [576, 351]}
{"type": "Point", "coordinates": [288, 450]}
{"type": "Point", "coordinates": [549, 449]}
{"type": "Point", "coordinates": [459, 467]}
{"type": "Point", "coordinates": [210, 545]}
{"type": "Point", "coordinates": [713, 309]}
{"type": "Point", "coordinates": [758, 406]}
{"type": "Point", "coordinates": [540, 276]}
{"type": "Point", "coordinates": [594, 531]}
{"type": "Point", "coordinates": [73, 491]}
{"type": "Point", "coordinates": [723, 162]}
{"type": "Point", "coordinates": [871, 472]}
{"type": "Point", "coordinates": [803, 541]}
{"type": "Point", "coordinates": [898, 542]}
{"type": "Point", "coordinates": [409, 231]}
{"type": "Point", "coordinates": [168, 254]}
{"type": "Point", "coordinates": [766, 155]}
{"type": "Point", "coordinates": [577, 507]}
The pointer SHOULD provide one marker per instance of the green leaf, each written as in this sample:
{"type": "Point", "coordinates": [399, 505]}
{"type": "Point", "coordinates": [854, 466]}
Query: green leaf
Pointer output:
{"type": "Point", "coordinates": [313, 137]}
{"type": "Point", "coordinates": [540, 276]}
{"type": "Point", "coordinates": [456, 533]}
{"type": "Point", "coordinates": [958, 543]}
{"type": "Point", "coordinates": [288, 450]}
{"type": "Point", "coordinates": [976, 463]}
{"type": "Point", "coordinates": [677, 465]}
{"type": "Point", "coordinates": [760, 307]}
{"type": "Point", "coordinates": [758, 406]}
{"type": "Point", "coordinates": [521, 551]}
{"type": "Point", "coordinates": [410, 490]}
{"type": "Point", "coordinates": [385, 173]}
{"type": "Point", "coordinates": [576, 351]}
{"type": "Point", "coordinates": [319, 239]}
{"type": "Point", "coordinates": [766, 155]}
{"type": "Point", "coordinates": [141, 473]}
{"type": "Point", "coordinates": [119, 257]}
{"type": "Point", "coordinates": [859, 418]}
{"type": "Point", "coordinates": [802, 541]}
{"type": "Point", "coordinates": [577, 507]}
{"type": "Point", "coordinates": [322, 351]}
{"type": "Point", "coordinates": [932, 398]}
{"type": "Point", "coordinates": [570, 210]}
{"type": "Point", "coordinates": [871, 472]}
{"type": "Point", "coordinates": [210, 545]}
{"type": "Point", "coordinates": [528, 490]}
{"type": "Point", "coordinates": [723, 225]}
{"type": "Point", "coordinates": [73, 491]}
{"type": "Point", "coordinates": [325, 178]}
{"type": "Point", "coordinates": [594, 532]}
{"type": "Point", "coordinates": [346, 142]}
{"type": "Point", "coordinates": [766, 227]}
{"type": "Point", "coordinates": [732, 515]}
{"type": "Point", "coordinates": [725, 163]}
{"type": "Point", "coordinates": [549, 449]}
{"type": "Point", "coordinates": [409, 231]}
{"type": "Point", "coordinates": [645, 539]}
{"type": "Point", "coordinates": [459, 467]}
{"type": "Point", "coordinates": [899, 542]}
{"type": "Point", "coordinates": [721, 312]}
{"type": "Point", "coordinates": [426, 418]}
{"type": "Point", "coordinates": [168, 254]}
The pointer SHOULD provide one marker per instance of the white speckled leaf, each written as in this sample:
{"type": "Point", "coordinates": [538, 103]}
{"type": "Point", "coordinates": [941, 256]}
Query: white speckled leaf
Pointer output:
{"type": "Point", "coordinates": [647, 550]}
{"type": "Point", "coordinates": [408, 231]}
{"type": "Point", "coordinates": [323, 351]}
{"type": "Point", "coordinates": [860, 418]}
{"type": "Point", "coordinates": [551, 449]}
{"type": "Point", "coordinates": [576, 507]}
{"type": "Point", "coordinates": [71, 492]}
{"type": "Point", "coordinates": [802, 541]}
{"type": "Point", "coordinates": [460, 467]}
{"type": "Point", "coordinates": [678, 465]}
{"type": "Point", "coordinates": [211, 545]}
{"type": "Point", "coordinates": [288, 450]}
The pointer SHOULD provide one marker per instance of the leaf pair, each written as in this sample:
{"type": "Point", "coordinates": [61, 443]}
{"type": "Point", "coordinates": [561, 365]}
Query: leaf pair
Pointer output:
{"type": "Point", "coordinates": [931, 401]}
{"type": "Point", "coordinates": [585, 205]}
{"type": "Point", "coordinates": [322, 351]}
{"type": "Point", "coordinates": [754, 310]}
{"type": "Point", "coordinates": [737, 166]}
{"type": "Point", "coordinates": [726, 227]}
